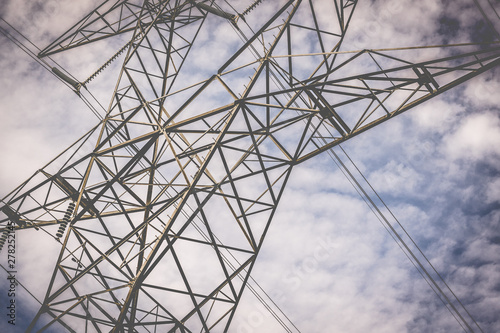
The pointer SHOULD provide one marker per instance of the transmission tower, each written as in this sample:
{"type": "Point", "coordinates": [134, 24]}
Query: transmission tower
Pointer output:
{"type": "Point", "coordinates": [161, 220]}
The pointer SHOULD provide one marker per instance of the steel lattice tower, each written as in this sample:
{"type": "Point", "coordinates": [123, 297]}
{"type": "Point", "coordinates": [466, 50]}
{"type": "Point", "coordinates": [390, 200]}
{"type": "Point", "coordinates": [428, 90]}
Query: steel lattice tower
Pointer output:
{"type": "Point", "coordinates": [161, 220]}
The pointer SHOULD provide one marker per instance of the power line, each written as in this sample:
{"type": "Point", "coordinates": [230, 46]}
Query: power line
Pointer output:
{"type": "Point", "coordinates": [487, 19]}
{"type": "Point", "coordinates": [402, 244]}
{"type": "Point", "coordinates": [22, 286]}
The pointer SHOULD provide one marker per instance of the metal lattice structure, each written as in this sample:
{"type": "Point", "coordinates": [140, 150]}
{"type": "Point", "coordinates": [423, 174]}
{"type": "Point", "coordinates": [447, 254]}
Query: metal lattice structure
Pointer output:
{"type": "Point", "coordinates": [161, 220]}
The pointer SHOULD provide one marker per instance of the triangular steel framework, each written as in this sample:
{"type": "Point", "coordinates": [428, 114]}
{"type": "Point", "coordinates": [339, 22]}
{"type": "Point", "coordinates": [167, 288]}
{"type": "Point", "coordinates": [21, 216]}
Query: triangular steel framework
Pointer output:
{"type": "Point", "coordinates": [171, 186]}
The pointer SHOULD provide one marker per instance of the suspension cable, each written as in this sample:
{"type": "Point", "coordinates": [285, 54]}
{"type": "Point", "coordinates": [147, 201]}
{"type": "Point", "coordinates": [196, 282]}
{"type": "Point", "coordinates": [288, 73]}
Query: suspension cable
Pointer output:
{"type": "Point", "coordinates": [487, 19]}
{"type": "Point", "coordinates": [411, 239]}
{"type": "Point", "coordinates": [42, 62]}
{"type": "Point", "coordinates": [19, 282]}
{"type": "Point", "coordinates": [370, 205]}
{"type": "Point", "coordinates": [494, 9]}
{"type": "Point", "coordinates": [426, 273]}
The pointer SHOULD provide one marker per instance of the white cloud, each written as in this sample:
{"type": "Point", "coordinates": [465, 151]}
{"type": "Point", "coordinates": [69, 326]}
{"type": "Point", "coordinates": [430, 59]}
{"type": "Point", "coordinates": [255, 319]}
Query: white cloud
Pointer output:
{"type": "Point", "coordinates": [493, 191]}
{"type": "Point", "coordinates": [395, 178]}
{"type": "Point", "coordinates": [476, 138]}
{"type": "Point", "coordinates": [438, 115]}
{"type": "Point", "coordinates": [484, 91]}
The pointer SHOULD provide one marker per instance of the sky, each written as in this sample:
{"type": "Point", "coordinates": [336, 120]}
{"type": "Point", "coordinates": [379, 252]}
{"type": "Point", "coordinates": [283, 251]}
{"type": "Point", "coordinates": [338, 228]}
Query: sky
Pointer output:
{"type": "Point", "coordinates": [327, 261]}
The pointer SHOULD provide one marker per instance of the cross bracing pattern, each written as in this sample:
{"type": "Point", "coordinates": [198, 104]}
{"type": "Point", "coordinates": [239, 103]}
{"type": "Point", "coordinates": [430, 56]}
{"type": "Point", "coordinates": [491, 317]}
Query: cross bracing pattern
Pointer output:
{"type": "Point", "coordinates": [170, 183]}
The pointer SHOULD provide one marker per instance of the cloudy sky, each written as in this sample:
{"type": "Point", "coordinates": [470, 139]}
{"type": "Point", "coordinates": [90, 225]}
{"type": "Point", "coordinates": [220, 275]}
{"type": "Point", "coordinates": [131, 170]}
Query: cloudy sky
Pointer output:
{"type": "Point", "coordinates": [327, 261]}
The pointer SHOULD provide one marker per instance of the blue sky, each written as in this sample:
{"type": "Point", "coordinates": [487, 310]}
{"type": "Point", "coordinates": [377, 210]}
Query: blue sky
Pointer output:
{"type": "Point", "coordinates": [327, 261]}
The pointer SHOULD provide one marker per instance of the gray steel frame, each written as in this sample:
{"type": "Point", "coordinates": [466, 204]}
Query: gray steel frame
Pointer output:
{"type": "Point", "coordinates": [166, 175]}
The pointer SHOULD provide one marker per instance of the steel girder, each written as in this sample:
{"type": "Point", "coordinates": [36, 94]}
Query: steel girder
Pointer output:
{"type": "Point", "coordinates": [173, 195]}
